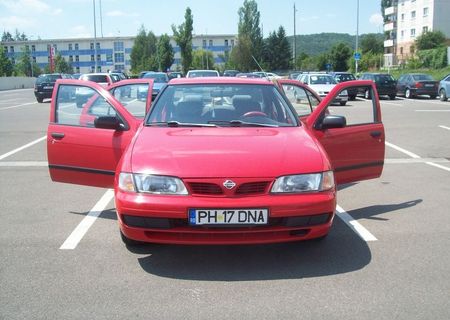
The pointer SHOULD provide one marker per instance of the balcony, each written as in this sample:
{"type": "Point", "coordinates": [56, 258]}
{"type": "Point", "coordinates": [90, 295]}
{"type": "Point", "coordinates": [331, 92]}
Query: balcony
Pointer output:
{"type": "Point", "coordinates": [389, 26]}
{"type": "Point", "coordinates": [388, 43]}
{"type": "Point", "coordinates": [389, 11]}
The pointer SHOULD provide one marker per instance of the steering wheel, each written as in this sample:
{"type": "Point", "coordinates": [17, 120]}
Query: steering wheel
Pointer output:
{"type": "Point", "coordinates": [254, 114]}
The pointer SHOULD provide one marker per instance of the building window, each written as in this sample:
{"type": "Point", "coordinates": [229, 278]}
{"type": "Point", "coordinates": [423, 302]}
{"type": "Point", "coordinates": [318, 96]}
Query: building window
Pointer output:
{"type": "Point", "coordinates": [77, 58]}
{"type": "Point", "coordinates": [70, 58]}
{"type": "Point", "coordinates": [232, 43]}
{"type": "Point", "coordinates": [6, 49]}
{"type": "Point", "coordinates": [411, 49]}
{"type": "Point", "coordinates": [401, 50]}
{"type": "Point", "coordinates": [425, 29]}
{"type": "Point", "coordinates": [92, 57]}
{"type": "Point", "coordinates": [210, 43]}
{"type": "Point", "coordinates": [119, 67]}
{"type": "Point", "coordinates": [226, 43]}
{"type": "Point", "coordinates": [402, 17]}
{"type": "Point", "coordinates": [402, 34]}
{"type": "Point", "coordinates": [99, 69]}
{"type": "Point", "coordinates": [413, 33]}
{"type": "Point", "coordinates": [78, 69]}
{"type": "Point", "coordinates": [34, 59]}
{"type": "Point", "coordinates": [33, 48]}
{"type": "Point", "coordinates": [76, 46]}
{"type": "Point", "coordinates": [27, 48]}
{"type": "Point", "coordinates": [92, 46]}
{"type": "Point", "coordinates": [118, 57]}
{"type": "Point", "coordinates": [204, 43]}
{"type": "Point", "coordinates": [97, 45]}
{"type": "Point", "coordinates": [413, 14]}
{"type": "Point", "coordinates": [99, 57]}
{"type": "Point", "coordinates": [425, 12]}
{"type": "Point", "coordinates": [118, 46]}
{"type": "Point", "coordinates": [109, 57]}
{"type": "Point", "coordinates": [92, 68]}
{"type": "Point", "coordinates": [11, 49]}
{"type": "Point", "coordinates": [13, 61]}
{"type": "Point", "coordinates": [70, 46]}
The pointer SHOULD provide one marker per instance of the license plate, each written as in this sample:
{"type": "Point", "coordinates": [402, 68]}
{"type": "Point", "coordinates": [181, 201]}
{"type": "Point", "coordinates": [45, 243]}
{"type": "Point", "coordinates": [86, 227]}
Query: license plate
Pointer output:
{"type": "Point", "coordinates": [228, 216]}
{"type": "Point", "coordinates": [48, 87]}
{"type": "Point", "coordinates": [429, 85]}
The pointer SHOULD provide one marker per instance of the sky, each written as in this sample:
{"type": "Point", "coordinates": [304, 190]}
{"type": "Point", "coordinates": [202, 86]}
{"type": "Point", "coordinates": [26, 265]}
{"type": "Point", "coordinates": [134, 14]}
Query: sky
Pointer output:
{"type": "Point", "coordinates": [55, 19]}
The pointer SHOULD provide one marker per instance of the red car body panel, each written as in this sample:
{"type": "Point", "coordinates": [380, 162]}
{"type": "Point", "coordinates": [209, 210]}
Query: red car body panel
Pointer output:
{"type": "Point", "coordinates": [254, 155]}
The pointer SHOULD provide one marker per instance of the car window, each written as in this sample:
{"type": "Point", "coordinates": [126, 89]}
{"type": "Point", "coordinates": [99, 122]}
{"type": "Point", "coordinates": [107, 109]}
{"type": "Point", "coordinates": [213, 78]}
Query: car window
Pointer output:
{"type": "Point", "coordinates": [321, 79]}
{"type": "Point", "coordinates": [422, 77]}
{"type": "Point", "coordinates": [345, 77]}
{"type": "Point", "coordinates": [222, 105]}
{"type": "Point", "coordinates": [78, 105]}
{"type": "Point", "coordinates": [157, 77]}
{"type": "Point", "coordinates": [384, 78]}
{"type": "Point", "coordinates": [133, 97]}
{"type": "Point", "coordinates": [99, 78]}
{"type": "Point", "coordinates": [301, 99]}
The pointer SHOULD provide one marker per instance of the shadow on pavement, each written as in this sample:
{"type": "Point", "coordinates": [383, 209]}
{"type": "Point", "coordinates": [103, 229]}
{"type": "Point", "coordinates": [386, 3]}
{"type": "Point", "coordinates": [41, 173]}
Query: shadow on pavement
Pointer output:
{"type": "Point", "coordinates": [372, 211]}
{"type": "Point", "coordinates": [106, 214]}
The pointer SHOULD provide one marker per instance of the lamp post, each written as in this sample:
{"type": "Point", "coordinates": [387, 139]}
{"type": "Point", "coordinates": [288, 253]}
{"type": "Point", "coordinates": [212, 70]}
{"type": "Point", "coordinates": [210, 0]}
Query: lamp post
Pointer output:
{"type": "Point", "coordinates": [295, 40]}
{"type": "Point", "coordinates": [95, 40]}
{"type": "Point", "coordinates": [357, 35]}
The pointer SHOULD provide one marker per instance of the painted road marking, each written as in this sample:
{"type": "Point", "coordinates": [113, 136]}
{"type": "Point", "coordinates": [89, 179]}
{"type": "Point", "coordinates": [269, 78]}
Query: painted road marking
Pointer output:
{"type": "Point", "coordinates": [3, 156]}
{"type": "Point", "coordinates": [443, 110]}
{"type": "Point", "coordinates": [83, 227]}
{"type": "Point", "coordinates": [415, 156]}
{"type": "Point", "coordinates": [19, 105]}
{"type": "Point", "coordinates": [362, 232]}
{"type": "Point", "coordinates": [24, 164]}
{"type": "Point", "coordinates": [444, 127]}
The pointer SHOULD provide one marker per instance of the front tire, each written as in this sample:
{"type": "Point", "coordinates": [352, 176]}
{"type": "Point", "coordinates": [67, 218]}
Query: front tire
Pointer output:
{"type": "Point", "coordinates": [408, 94]}
{"type": "Point", "coordinates": [442, 95]}
{"type": "Point", "coordinates": [392, 97]}
{"type": "Point", "coordinates": [342, 103]}
{"type": "Point", "coordinates": [40, 100]}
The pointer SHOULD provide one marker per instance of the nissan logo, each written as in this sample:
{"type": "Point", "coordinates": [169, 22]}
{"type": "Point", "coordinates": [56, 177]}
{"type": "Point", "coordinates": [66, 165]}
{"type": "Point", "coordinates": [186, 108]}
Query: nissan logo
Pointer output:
{"type": "Point", "coordinates": [229, 184]}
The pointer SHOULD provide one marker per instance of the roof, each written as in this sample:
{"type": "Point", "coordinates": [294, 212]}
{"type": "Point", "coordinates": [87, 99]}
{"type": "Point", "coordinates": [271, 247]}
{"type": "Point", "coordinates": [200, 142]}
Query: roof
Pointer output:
{"type": "Point", "coordinates": [220, 80]}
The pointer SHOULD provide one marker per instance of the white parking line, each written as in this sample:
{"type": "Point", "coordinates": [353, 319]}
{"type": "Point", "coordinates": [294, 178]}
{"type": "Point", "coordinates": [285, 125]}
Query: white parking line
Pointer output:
{"type": "Point", "coordinates": [430, 110]}
{"type": "Point", "coordinates": [391, 103]}
{"type": "Point", "coordinates": [3, 156]}
{"type": "Point", "coordinates": [444, 127]}
{"type": "Point", "coordinates": [24, 164]}
{"type": "Point", "coordinates": [19, 105]}
{"type": "Point", "coordinates": [83, 227]}
{"type": "Point", "coordinates": [362, 232]}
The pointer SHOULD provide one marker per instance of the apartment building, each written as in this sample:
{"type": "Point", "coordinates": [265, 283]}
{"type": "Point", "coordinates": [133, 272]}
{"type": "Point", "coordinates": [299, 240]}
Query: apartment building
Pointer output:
{"type": "Point", "coordinates": [408, 19]}
{"type": "Point", "coordinates": [108, 53]}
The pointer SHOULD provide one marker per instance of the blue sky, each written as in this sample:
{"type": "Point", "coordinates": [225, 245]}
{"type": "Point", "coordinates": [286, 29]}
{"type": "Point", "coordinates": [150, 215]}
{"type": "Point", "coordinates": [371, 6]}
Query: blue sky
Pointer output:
{"type": "Point", "coordinates": [51, 19]}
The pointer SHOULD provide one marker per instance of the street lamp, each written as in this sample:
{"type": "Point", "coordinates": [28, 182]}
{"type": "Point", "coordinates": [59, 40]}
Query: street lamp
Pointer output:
{"type": "Point", "coordinates": [357, 35]}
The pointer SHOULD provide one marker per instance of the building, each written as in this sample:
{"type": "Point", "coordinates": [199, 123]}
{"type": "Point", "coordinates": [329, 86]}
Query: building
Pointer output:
{"type": "Point", "coordinates": [108, 53]}
{"type": "Point", "coordinates": [408, 19]}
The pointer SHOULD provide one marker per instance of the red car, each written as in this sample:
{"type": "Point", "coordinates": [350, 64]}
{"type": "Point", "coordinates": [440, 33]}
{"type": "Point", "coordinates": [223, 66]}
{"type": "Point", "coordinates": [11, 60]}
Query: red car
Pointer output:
{"type": "Point", "coordinates": [220, 160]}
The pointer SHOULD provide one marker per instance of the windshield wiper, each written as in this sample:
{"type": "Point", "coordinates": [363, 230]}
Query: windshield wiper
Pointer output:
{"type": "Point", "coordinates": [240, 123]}
{"type": "Point", "coordinates": [180, 124]}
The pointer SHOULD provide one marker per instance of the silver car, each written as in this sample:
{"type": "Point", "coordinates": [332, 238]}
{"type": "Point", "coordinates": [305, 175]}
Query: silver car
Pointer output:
{"type": "Point", "coordinates": [444, 88]}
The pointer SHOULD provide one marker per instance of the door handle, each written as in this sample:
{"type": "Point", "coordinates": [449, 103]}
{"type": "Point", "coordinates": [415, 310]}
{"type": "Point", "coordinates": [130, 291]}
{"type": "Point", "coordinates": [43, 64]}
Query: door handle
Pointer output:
{"type": "Point", "coordinates": [375, 134]}
{"type": "Point", "coordinates": [57, 135]}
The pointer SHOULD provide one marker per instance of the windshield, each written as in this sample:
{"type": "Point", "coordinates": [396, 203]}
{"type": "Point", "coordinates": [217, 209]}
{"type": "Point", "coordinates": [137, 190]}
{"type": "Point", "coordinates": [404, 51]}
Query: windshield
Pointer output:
{"type": "Point", "coordinates": [48, 78]}
{"type": "Point", "coordinates": [95, 78]}
{"type": "Point", "coordinates": [422, 77]}
{"type": "Point", "coordinates": [322, 79]}
{"type": "Point", "coordinates": [345, 77]}
{"type": "Point", "coordinates": [221, 105]}
{"type": "Point", "coordinates": [383, 78]}
{"type": "Point", "coordinates": [158, 77]}
{"type": "Point", "coordinates": [197, 74]}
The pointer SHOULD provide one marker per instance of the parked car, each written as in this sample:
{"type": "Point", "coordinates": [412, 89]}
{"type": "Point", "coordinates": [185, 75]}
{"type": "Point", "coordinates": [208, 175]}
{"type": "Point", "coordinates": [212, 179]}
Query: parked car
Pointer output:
{"type": "Point", "coordinates": [43, 87]}
{"type": "Point", "coordinates": [198, 170]}
{"type": "Point", "coordinates": [230, 73]}
{"type": "Point", "coordinates": [411, 85]}
{"type": "Point", "coordinates": [323, 83]}
{"type": "Point", "coordinates": [142, 73]}
{"type": "Point", "coordinates": [268, 75]}
{"type": "Point", "coordinates": [342, 77]}
{"type": "Point", "coordinates": [444, 88]}
{"type": "Point", "coordinates": [83, 94]}
{"type": "Point", "coordinates": [385, 83]}
{"type": "Point", "coordinates": [175, 74]}
{"type": "Point", "coordinates": [202, 73]}
{"type": "Point", "coordinates": [294, 75]}
{"type": "Point", "coordinates": [248, 75]}
{"type": "Point", "coordinates": [160, 80]}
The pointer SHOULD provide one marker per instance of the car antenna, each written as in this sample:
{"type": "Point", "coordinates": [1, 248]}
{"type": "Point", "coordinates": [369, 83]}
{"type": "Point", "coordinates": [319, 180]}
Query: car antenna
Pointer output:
{"type": "Point", "coordinates": [259, 66]}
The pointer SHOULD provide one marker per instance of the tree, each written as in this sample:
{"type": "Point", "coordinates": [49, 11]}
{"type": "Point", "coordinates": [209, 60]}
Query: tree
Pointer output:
{"type": "Point", "coordinates": [249, 34]}
{"type": "Point", "coordinates": [241, 55]}
{"type": "Point", "coordinates": [277, 51]}
{"type": "Point", "coordinates": [6, 67]}
{"type": "Point", "coordinates": [183, 38]}
{"type": "Point", "coordinates": [321, 61]}
{"type": "Point", "coordinates": [430, 40]}
{"type": "Point", "coordinates": [371, 43]}
{"type": "Point", "coordinates": [165, 53]}
{"type": "Point", "coordinates": [339, 55]}
{"type": "Point", "coordinates": [202, 59]}
{"type": "Point", "coordinates": [61, 65]}
{"type": "Point", "coordinates": [7, 36]}
{"type": "Point", "coordinates": [143, 54]}
{"type": "Point", "coordinates": [24, 64]}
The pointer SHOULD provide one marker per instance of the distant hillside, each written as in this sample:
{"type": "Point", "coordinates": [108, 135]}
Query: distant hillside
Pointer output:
{"type": "Point", "coordinates": [315, 44]}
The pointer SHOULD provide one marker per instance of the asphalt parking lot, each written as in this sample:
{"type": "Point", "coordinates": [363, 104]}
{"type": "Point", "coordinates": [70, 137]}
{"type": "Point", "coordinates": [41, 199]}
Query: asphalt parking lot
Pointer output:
{"type": "Point", "coordinates": [387, 256]}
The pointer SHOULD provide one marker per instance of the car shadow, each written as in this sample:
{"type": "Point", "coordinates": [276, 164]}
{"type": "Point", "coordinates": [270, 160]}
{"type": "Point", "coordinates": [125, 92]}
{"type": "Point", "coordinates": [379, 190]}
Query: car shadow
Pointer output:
{"type": "Point", "coordinates": [341, 252]}
{"type": "Point", "coordinates": [106, 214]}
{"type": "Point", "coordinates": [372, 211]}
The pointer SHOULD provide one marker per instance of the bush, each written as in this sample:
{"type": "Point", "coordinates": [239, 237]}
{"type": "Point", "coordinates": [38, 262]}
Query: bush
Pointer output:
{"type": "Point", "coordinates": [433, 58]}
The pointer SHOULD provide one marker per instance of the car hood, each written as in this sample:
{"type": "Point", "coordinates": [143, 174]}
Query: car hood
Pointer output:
{"type": "Point", "coordinates": [225, 152]}
{"type": "Point", "coordinates": [322, 87]}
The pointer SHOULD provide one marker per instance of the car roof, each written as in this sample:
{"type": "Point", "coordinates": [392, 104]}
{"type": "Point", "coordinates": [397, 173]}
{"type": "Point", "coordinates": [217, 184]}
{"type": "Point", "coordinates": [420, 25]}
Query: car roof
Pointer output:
{"type": "Point", "coordinates": [220, 80]}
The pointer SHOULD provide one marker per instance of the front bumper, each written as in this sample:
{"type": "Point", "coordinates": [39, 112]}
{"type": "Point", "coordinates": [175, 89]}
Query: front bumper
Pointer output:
{"type": "Point", "coordinates": [164, 219]}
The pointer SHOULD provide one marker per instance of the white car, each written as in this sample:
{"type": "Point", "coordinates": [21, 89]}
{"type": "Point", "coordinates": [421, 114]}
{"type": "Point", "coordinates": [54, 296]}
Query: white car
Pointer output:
{"type": "Point", "coordinates": [202, 73]}
{"type": "Point", "coordinates": [323, 83]}
{"type": "Point", "coordinates": [268, 75]}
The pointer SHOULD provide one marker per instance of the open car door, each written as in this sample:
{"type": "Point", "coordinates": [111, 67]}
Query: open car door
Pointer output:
{"type": "Point", "coordinates": [353, 136]}
{"type": "Point", "coordinates": [90, 127]}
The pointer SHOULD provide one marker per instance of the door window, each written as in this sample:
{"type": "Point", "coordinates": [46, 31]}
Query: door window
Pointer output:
{"type": "Point", "coordinates": [303, 101]}
{"type": "Point", "coordinates": [133, 97]}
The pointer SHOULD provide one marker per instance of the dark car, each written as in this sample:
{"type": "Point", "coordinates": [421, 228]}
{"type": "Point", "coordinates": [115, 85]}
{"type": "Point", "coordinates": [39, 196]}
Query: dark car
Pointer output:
{"type": "Point", "coordinates": [230, 73]}
{"type": "Point", "coordinates": [346, 76]}
{"type": "Point", "coordinates": [416, 84]}
{"type": "Point", "coordinates": [385, 83]}
{"type": "Point", "coordinates": [160, 80]}
{"type": "Point", "coordinates": [174, 74]}
{"type": "Point", "coordinates": [43, 88]}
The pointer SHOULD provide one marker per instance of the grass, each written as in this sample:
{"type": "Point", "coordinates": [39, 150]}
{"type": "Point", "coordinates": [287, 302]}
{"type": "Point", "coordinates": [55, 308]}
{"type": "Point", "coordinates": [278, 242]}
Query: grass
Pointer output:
{"type": "Point", "coordinates": [437, 74]}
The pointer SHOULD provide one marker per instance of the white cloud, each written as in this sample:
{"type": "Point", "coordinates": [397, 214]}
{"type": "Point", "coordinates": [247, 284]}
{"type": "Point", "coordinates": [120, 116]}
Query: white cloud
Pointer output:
{"type": "Point", "coordinates": [376, 19]}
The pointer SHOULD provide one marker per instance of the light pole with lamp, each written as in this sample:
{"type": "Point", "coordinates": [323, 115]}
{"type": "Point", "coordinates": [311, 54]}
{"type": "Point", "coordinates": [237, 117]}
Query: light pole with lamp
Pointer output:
{"type": "Point", "coordinates": [357, 55]}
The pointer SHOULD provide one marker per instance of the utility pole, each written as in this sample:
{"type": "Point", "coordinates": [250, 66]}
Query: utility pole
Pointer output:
{"type": "Point", "coordinates": [101, 18]}
{"type": "Point", "coordinates": [357, 35]}
{"type": "Point", "coordinates": [95, 39]}
{"type": "Point", "coordinates": [295, 40]}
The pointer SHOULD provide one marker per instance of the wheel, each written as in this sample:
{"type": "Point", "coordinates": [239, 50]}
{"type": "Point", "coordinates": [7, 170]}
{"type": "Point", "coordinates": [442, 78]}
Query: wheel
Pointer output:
{"type": "Point", "coordinates": [367, 94]}
{"type": "Point", "coordinates": [392, 96]}
{"type": "Point", "coordinates": [352, 97]}
{"type": "Point", "coordinates": [40, 100]}
{"type": "Point", "coordinates": [408, 94]}
{"type": "Point", "coordinates": [342, 103]}
{"type": "Point", "coordinates": [442, 95]}
{"type": "Point", "coordinates": [130, 242]}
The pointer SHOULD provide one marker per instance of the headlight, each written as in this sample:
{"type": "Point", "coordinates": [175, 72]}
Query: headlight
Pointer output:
{"type": "Point", "coordinates": [304, 183]}
{"type": "Point", "coordinates": [151, 184]}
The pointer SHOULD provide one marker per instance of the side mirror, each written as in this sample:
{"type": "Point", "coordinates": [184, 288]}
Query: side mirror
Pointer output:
{"type": "Point", "coordinates": [108, 122]}
{"type": "Point", "coordinates": [331, 122]}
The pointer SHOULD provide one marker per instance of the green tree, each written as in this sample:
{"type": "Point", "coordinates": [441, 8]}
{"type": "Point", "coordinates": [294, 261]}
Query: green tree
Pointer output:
{"type": "Point", "coordinates": [144, 53]}
{"type": "Point", "coordinates": [165, 53]}
{"type": "Point", "coordinates": [61, 65]}
{"type": "Point", "coordinates": [277, 51]}
{"type": "Point", "coordinates": [430, 40]}
{"type": "Point", "coordinates": [249, 34]}
{"type": "Point", "coordinates": [321, 61]}
{"type": "Point", "coordinates": [202, 59]}
{"type": "Point", "coordinates": [6, 67]}
{"type": "Point", "coordinates": [24, 64]}
{"type": "Point", "coordinates": [183, 38]}
{"type": "Point", "coordinates": [371, 43]}
{"type": "Point", "coordinates": [241, 55]}
{"type": "Point", "coordinates": [7, 36]}
{"type": "Point", "coordinates": [339, 55]}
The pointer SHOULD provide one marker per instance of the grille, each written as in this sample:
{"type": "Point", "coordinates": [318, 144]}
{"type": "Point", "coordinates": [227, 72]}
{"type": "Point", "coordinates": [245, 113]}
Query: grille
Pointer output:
{"type": "Point", "coordinates": [252, 188]}
{"type": "Point", "coordinates": [205, 188]}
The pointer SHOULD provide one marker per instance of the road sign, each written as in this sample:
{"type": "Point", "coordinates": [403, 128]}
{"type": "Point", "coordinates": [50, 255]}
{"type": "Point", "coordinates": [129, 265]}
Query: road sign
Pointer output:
{"type": "Point", "coordinates": [357, 56]}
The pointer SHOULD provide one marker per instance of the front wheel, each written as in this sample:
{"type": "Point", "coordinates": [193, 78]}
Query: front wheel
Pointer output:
{"type": "Point", "coordinates": [392, 97]}
{"type": "Point", "coordinates": [40, 100]}
{"type": "Point", "coordinates": [342, 103]}
{"type": "Point", "coordinates": [408, 94]}
{"type": "Point", "coordinates": [442, 95]}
